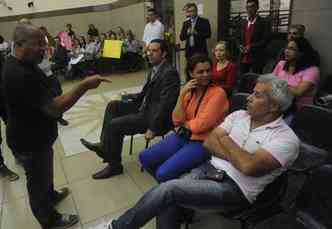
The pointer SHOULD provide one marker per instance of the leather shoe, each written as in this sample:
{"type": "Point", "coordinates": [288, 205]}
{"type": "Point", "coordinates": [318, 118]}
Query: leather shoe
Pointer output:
{"type": "Point", "coordinates": [108, 172]}
{"type": "Point", "coordinates": [60, 195]}
{"type": "Point", "coordinates": [96, 147]}
{"type": "Point", "coordinates": [65, 221]}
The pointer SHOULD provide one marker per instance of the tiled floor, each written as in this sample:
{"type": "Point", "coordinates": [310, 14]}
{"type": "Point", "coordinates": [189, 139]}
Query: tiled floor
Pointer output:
{"type": "Point", "coordinates": [94, 201]}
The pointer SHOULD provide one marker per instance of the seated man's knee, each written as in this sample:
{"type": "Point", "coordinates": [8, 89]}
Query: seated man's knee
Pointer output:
{"type": "Point", "coordinates": [165, 174]}
{"type": "Point", "coordinates": [112, 105]}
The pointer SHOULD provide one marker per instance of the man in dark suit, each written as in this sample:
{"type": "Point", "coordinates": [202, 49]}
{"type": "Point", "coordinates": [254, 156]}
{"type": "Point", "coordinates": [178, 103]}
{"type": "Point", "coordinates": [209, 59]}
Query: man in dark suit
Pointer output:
{"type": "Point", "coordinates": [149, 111]}
{"type": "Point", "coordinates": [195, 31]}
{"type": "Point", "coordinates": [255, 33]}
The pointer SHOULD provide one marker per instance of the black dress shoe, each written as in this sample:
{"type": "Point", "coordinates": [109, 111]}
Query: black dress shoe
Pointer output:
{"type": "Point", "coordinates": [96, 147]}
{"type": "Point", "coordinates": [60, 195]}
{"type": "Point", "coordinates": [65, 221]}
{"type": "Point", "coordinates": [108, 172]}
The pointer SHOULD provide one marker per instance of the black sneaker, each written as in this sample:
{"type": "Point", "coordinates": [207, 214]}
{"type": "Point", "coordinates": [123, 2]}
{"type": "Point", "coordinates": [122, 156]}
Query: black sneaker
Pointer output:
{"type": "Point", "coordinates": [65, 221]}
{"type": "Point", "coordinates": [7, 173]}
{"type": "Point", "coordinates": [59, 195]}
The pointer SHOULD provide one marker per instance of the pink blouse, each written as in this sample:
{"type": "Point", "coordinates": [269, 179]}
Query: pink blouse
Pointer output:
{"type": "Point", "coordinates": [310, 74]}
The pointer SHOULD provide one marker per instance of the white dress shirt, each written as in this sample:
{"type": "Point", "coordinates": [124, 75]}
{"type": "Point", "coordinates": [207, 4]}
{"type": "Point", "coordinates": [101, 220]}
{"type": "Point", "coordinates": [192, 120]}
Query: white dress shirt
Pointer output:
{"type": "Point", "coordinates": [153, 30]}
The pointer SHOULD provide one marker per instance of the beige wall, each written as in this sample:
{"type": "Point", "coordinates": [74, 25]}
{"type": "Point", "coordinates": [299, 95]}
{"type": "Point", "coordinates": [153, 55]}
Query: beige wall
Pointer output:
{"type": "Point", "coordinates": [104, 21]}
{"type": "Point", "coordinates": [21, 6]}
{"type": "Point", "coordinates": [316, 16]}
{"type": "Point", "coordinates": [210, 12]}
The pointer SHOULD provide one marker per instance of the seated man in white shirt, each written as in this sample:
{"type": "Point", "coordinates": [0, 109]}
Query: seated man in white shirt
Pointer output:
{"type": "Point", "coordinates": [251, 147]}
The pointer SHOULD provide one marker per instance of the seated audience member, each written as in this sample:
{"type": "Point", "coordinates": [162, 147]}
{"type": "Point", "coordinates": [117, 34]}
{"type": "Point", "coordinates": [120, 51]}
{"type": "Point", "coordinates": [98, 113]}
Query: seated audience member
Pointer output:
{"type": "Point", "coordinates": [200, 108]}
{"type": "Point", "coordinates": [112, 35]}
{"type": "Point", "coordinates": [147, 112]}
{"type": "Point", "coordinates": [49, 39]}
{"type": "Point", "coordinates": [91, 48]}
{"type": "Point", "coordinates": [131, 57]}
{"type": "Point", "coordinates": [76, 65]}
{"type": "Point", "coordinates": [60, 56]}
{"type": "Point", "coordinates": [90, 54]}
{"type": "Point", "coordinates": [93, 31]}
{"type": "Point", "coordinates": [299, 70]}
{"type": "Point", "coordinates": [250, 150]}
{"type": "Point", "coordinates": [130, 43]}
{"type": "Point", "coordinates": [297, 31]}
{"type": "Point", "coordinates": [70, 32]}
{"type": "Point", "coordinates": [82, 42]}
{"type": "Point", "coordinates": [103, 37]}
{"type": "Point", "coordinates": [224, 72]}
{"type": "Point", "coordinates": [77, 48]}
{"type": "Point", "coordinates": [4, 46]}
{"type": "Point", "coordinates": [121, 33]}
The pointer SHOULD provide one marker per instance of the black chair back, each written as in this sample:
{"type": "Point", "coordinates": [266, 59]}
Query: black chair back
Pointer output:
{"type": "Point", "coordinates": [238, 102]}
{"type": "Point", "coordinates": [267, 204]}
{"type": "Point", "coordinates": [313, 125]}
{"type": "Point", "coordinates": [247, 82]}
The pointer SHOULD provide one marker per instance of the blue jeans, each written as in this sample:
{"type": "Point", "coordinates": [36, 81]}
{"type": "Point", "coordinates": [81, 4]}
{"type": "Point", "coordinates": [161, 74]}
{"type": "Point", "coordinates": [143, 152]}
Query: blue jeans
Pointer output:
{"type": "Point", "coordinates": [193, 191]}
{"type": "Point", "coordinates": [173, 156]}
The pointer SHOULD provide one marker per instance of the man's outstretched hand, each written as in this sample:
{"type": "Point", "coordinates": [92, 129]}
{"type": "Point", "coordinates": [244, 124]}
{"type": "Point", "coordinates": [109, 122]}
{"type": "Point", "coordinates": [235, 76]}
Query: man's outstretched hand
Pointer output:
{"type": "Point", "coordinates": [93, 82]}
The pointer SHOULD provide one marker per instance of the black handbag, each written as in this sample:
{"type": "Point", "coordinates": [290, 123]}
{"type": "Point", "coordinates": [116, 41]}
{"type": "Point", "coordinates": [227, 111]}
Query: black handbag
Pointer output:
{"type": "Point", "coordinates": [183, 131]}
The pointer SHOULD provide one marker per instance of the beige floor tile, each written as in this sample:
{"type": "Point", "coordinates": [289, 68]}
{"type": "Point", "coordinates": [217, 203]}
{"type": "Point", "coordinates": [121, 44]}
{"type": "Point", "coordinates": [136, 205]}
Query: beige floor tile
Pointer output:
{"type": "Point", "coordinates": [81, 166]}
{"type": "Point", "coordinates": [95, 198]}
{"type": "Point", "coordinates": [17, 213]}
{"type": "Point", "coordinates": [142, 179]}
{"type": "Point", "coordinates": [14, 190]}
{"type": "Point", "coordinates": [17, 189]}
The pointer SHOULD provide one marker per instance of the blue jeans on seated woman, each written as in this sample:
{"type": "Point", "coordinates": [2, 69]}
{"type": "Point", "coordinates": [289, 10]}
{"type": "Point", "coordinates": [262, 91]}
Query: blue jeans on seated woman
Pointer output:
{"type": "Point", "coordinates": [172, 157]}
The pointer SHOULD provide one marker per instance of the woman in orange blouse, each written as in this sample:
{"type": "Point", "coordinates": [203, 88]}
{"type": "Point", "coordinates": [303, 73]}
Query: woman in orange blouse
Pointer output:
{"type": "Point", "coordinates": [200, 108]}
{"type": "Point", "coordinates": [224, 71]}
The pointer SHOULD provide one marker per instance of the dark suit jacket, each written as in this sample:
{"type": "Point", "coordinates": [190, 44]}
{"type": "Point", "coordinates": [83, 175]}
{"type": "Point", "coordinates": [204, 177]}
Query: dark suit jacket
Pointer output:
{"type": "Point", "coordinates": [203, 29]}
{"type": "Point", "coordinates": [161, 94]}
{"type": "Point", "coordinates": [259, 39]}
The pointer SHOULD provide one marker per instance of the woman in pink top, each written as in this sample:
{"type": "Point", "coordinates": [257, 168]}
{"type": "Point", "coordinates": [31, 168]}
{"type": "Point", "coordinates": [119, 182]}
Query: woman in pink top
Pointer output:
{"type": "Point", "coordinates": [224, 71]}
{"type": "Point", "coordinates": [300, 71]}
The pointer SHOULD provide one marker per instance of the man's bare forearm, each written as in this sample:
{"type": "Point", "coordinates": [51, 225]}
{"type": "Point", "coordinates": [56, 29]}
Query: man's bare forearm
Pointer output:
{"type": "Point", "coordinates": [214, 146]}
{"type": "Point", "coordinates": [64, 102]}
{"type": "Point", "coordinates": [238, 157]}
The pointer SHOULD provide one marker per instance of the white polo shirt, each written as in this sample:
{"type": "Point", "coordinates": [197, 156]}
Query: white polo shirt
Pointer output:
{"type": "Point", "coordinates": [276, 137]}
{"type": "Point", "coordinates": [153, 31]}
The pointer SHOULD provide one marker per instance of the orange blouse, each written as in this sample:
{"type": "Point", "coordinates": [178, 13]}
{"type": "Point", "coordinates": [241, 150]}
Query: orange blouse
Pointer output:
{"type": "Point", "coordinates": [211, 112]}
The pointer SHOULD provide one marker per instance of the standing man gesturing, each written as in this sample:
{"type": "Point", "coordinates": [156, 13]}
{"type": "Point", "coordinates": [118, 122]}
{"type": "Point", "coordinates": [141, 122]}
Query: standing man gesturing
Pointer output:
{"type": "Point", "coordinates": [33, 109]}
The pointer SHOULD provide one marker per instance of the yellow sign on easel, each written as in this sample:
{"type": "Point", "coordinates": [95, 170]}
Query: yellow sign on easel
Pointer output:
{"type": "Point", "coordinates": [112, 49]}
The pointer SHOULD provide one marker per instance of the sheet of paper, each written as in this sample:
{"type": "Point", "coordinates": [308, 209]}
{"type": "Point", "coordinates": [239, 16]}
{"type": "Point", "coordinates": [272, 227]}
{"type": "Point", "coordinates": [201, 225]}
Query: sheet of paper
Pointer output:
{"type": "Point", "coordinates": [112, 49]}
